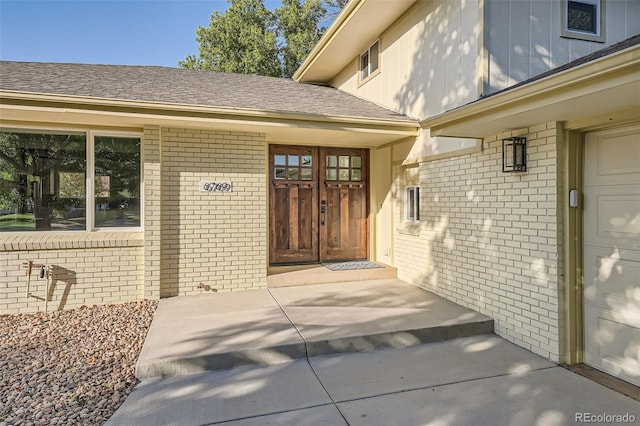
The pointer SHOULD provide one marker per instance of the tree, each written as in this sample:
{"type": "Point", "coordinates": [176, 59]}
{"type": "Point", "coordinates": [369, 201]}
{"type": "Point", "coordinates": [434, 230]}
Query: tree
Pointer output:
{"type": "Point", "coordinates": [241, 40]}
{"type": "Point", "coordinates": [249, 39]}
{"type": "Point", "coordinates": [298, 25]}
{"type": "Point", "coordinates": [333, 8]}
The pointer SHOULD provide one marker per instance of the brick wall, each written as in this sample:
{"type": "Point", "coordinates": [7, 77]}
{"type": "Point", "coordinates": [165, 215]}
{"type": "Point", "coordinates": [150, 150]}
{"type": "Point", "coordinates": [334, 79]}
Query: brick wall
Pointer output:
{"type": "Point", "coordinates": [86, 269]}
{"type": "Point", "coordinates": [490, 240]}
{"type": "Point", "coordinates": [190, 237]}
{"type": "Point", "coordinates": [217, 240]}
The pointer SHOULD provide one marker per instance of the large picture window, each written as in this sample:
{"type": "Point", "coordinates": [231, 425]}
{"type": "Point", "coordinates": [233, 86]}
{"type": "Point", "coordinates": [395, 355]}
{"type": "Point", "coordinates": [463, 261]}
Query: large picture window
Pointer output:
{"type": "Point", "coordinates": [44, 175]}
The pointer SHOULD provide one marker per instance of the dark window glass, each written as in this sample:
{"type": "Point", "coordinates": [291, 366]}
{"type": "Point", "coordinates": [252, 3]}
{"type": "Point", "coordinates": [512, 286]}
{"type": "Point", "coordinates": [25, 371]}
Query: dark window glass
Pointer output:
{"type": "Point", "coordinates": [364, 65]}
{"type": "Point", "coordinates": [413, 203]}
{"type": "Point", "coordinates": [117, 181]}
{"type": "Point", "coordinates": [582, 17]}
{"type": "Point", "coordinates": [42, 181]}
{"type": "Point", "coordinates": [373, 52]}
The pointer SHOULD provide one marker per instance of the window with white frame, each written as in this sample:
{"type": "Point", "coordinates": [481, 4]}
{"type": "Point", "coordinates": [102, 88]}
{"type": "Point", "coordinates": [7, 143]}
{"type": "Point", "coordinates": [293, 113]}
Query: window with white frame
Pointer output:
{"type": "Point", "coordinates": [411, 184]}
{"type": "Point", "coordinates": [582, 19]}
{"type": "Point", "coordinates": [412, 204]}
{"type": "Point", "coordinates": [369, 61]}
{"type": "Point", "coordinates": [44, 176]}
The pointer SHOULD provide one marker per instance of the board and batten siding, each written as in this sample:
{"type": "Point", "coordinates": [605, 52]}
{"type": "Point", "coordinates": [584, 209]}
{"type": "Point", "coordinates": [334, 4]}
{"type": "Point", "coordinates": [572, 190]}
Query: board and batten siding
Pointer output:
{"type": "Point", "coordinates": [523, 38]}
{"type": "Point", "coordinates": [428, 60]}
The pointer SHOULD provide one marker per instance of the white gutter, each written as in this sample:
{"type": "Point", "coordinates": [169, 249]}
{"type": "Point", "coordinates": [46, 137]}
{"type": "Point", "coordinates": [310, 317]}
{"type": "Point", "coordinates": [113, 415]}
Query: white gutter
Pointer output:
{"type": "Point", "coordinates": [23, 99]}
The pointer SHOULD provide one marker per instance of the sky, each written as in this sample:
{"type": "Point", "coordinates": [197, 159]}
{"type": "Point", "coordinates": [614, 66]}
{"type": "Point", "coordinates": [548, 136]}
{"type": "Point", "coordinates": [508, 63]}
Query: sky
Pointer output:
{"type": "Point", "coordinates": [119, 32]}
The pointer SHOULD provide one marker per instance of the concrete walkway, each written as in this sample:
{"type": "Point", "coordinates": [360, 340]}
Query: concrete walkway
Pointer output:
{"type": "Point", "coordinates": [382, 352]}
{"type": "Point", "coordinates": [481, 380]}
{"type": "Point", "coordinates": [219, 331]}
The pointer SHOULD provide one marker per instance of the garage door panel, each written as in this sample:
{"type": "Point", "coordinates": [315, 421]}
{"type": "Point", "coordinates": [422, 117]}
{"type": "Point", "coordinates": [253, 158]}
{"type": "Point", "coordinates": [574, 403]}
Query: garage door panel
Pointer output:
{"type": "Point", "coordinates": [614, 278]}
{"type": "Point", "coordinates": [615, 347]}
{"type": "Point", "coordinates": [614, 218]}
{"type": "Point", "coordinates": [612, 157]}
{"type": "Point", "coordinates": [611, 252]}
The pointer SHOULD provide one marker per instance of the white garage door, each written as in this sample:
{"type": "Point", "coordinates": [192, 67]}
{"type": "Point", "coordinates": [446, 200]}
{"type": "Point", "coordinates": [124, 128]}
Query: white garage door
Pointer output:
{"type": "Point", "coordinates": [612, 252]}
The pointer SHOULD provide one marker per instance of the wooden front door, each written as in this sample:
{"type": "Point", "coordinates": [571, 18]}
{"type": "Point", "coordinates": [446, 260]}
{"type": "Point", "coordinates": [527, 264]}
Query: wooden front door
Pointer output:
{"type": "Point", "coordinates": [293, 204]}
{"type": "Point", "coordinates": [318, 204]}
{"type": "Point", "coordinates": [344, 223]}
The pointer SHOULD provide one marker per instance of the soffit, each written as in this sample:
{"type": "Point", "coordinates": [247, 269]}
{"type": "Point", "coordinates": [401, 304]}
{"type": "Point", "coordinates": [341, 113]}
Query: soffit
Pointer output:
{"type": "Point", "coordinates": [362, 23]}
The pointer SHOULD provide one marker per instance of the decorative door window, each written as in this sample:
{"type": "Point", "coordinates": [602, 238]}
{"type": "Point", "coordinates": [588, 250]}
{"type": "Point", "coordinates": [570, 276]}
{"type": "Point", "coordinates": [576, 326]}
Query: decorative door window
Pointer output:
{"type": "Point", "coordinates": [344, 167]}
{"type": "Point", "coordinates": [293, 167]}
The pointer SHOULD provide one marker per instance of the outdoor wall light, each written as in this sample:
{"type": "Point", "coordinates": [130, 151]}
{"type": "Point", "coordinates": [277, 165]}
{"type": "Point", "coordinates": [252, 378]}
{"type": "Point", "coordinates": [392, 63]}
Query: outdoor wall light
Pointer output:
{"type": "Point", "coordinates": [514, 155]}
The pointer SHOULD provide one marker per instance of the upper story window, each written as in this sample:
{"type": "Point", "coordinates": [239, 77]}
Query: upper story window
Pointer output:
{"type": "Point", "coordinates": [369, 61]}
{"type": "Point", "coordinates": [582, 19]}
{"type": "Point", "coordinates": [44, 176]}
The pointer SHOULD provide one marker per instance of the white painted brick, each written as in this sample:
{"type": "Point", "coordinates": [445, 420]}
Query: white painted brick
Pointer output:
{"type": "Point", "coordinates": [504, 231]}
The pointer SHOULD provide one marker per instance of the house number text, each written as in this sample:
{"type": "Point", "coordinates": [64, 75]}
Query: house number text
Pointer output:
{"type": "Point", "coordinates": [221, 186]}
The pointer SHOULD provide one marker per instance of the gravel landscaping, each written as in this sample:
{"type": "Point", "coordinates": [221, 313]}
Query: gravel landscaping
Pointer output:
{"type": "Point", "coordinates": [72, 367]}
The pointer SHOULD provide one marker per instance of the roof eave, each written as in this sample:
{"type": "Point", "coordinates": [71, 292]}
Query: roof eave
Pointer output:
{"type": "Point", "coordinates": [30, 109]}
{"type": "Point", "coordinates": [536, 100]}
{"type": "Point", "coordinates": [359, 23]}
{"type": "Point", "coordinates": [25, 98]}
{"type": "Point", "coordinates": [328, 35]}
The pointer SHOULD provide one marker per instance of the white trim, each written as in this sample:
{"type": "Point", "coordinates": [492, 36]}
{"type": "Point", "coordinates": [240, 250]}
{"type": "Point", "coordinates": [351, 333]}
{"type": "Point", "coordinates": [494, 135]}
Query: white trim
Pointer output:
{"type": "Point", "coordinates": [90, 214]}
{"type": "Point", "coordinates": [412, 201]}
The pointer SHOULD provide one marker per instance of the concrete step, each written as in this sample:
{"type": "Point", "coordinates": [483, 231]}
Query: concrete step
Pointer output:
{"type": "Point", "coordinates": [194, 334]}
{"type": "Point", "coordinates": [296, 275]}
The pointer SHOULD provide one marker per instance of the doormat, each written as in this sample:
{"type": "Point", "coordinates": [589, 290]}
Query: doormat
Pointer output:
{"type": "Point", "coordinates": [348, 266]}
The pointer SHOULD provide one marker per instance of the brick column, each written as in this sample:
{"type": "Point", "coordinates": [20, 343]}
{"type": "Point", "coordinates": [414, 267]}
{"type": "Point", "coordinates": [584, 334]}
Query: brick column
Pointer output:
{"type": "Point", "coordinates": [152, 212]}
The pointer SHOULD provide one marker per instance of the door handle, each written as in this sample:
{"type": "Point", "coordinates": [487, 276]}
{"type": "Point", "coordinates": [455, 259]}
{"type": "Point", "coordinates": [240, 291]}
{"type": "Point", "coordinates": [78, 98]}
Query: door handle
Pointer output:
{"type": "Point", "coordinates": [323, 210]}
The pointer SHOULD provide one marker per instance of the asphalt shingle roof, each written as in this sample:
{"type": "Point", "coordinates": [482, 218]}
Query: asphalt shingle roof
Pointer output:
{"type": "Point", "coordinates": [183, 86]}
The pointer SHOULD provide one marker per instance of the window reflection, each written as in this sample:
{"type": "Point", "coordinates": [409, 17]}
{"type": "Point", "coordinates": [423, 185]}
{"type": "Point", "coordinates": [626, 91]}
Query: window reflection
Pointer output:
{"type": "Point", "coordinates": [117, 181]}
{"type": "Point", "coordinates": [42, 181]}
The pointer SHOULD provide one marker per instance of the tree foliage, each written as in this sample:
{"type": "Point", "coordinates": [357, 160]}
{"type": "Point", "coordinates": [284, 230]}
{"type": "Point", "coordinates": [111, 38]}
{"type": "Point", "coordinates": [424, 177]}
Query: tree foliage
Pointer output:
{"type": "Point", "coordinates": [248, 38]}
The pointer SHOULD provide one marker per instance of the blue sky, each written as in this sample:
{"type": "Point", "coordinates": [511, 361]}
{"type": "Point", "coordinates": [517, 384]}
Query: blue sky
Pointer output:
{"type": "Point", "coordinates": [124, 32]}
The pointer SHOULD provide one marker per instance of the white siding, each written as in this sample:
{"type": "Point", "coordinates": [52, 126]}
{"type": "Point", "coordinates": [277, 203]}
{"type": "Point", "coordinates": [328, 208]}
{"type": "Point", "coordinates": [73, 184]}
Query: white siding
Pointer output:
{"type": "Point", "coordinates": [522, 37]}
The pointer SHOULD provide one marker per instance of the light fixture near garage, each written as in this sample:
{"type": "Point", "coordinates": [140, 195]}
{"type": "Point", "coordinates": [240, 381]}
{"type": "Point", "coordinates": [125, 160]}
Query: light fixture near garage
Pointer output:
{"type": "Point", "coordinates": [514, 155]}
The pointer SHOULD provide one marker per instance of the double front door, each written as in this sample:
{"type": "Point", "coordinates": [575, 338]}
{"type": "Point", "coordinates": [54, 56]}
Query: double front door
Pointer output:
{"type": "Point", "coordinates": [318, 202]}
